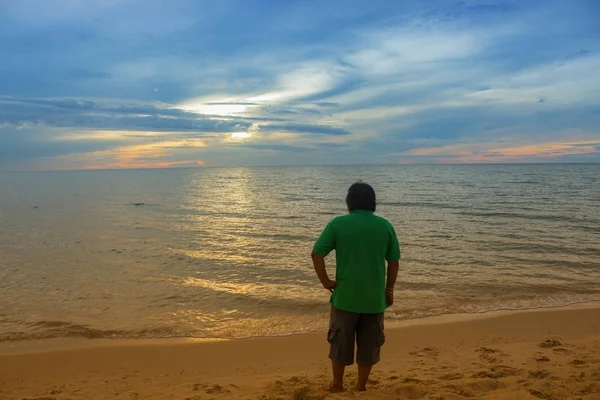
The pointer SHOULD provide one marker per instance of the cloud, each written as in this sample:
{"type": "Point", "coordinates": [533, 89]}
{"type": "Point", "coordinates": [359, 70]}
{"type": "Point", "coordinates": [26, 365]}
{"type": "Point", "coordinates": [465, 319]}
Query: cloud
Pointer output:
{"type": "Point", "coordinates": [145, 164]}
{"type": "Point", "coordinates": [502, 152]}
{"type": "Point", "coordinates": [275, 147]}
{"type": "Point", "coordinates": [301, 147]}
{"type": "Point", "coordinates": [31, 143]}
{"type": "Point", "coordinates": [302, 128]}
{"type": "Point", "coordinates": [131, 81]}
{"type": "Point", "coordinates": [118, 115]}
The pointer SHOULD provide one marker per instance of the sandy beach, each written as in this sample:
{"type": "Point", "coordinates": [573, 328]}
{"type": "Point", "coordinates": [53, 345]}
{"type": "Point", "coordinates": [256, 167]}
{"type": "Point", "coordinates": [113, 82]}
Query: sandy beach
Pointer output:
{"type": "Point", "coordinates": [543, 354]}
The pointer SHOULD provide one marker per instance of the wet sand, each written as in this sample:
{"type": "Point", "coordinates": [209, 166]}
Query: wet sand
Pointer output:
{"type": "Point", "coordinates": [543, 354]}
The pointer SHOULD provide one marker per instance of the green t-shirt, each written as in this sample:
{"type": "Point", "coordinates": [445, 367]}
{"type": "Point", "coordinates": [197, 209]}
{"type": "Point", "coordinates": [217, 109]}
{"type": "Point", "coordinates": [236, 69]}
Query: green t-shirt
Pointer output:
{"type": "Point", "coordinates": [362, 242]}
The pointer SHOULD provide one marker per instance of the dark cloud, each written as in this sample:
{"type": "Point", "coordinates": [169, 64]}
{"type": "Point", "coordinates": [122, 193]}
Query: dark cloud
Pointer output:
{"type": "Point", "coordinates": [304, 128]}
{"type": "Point", "coordinates": [275, 147]}
{"type": "Point", "coordinates": [237, 103]}
{"type": "Point", "coordinates": [327, 104]}
{"type": "Point", "coordinates": [32, 143]}
{"type": "Point", "coordinates": [89, 114]}
{"type": "Point", "coordinates": [332, 146]}
{"type": "Point", "coordinates": [442, 127]}
{"type": "Point", "coordinates": [291, 111]}
{"type": "Point", "coordinates": [293, 148]}
{"type": "Point", "coordinates": [348, 86]}
{"type": "Point", "coordinates": [104, 115]}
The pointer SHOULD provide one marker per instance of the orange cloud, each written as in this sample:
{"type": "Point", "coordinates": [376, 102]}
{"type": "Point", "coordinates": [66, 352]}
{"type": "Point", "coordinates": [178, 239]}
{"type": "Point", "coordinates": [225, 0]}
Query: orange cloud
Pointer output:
{"type": "Point", "coordinates": [146, 164]}
{"type": "Point", "coordinates": [452, 150]}
{"type": "Point", "coordinates": [490, 152]}
{"type": "Point", "coordinates": [100, 135]}
{"type": "Point", "coordinates": [544, 150]}
{"type": "Point", "coordinates": [154, 149]}
{"type": "Point", "coordinates": [147, 155]}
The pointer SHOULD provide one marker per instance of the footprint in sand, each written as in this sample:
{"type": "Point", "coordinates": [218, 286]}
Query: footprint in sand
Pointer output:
{"type": "Point", "coordinates": [582, 377]}
{"type": "Point", "coordinates": [451, 377]}
{"type": "Point", "coordinates": [209, 389]}
{"type": "Point", "coordinates": [542, 359]}
{"type": "Point", "coordinates": [490, 355]}
{"type": "Point", "coordinates": [299, 387]}
{"type": "Point", "coordinates": [487, 350]}
{"type": "Point", "coordinates": [460, 391]}
{"type": "Point", "coordinates": [561, 351]}
{"type": "Point", "coordinates": [539, 395]}
{"type": "Point", "coordinates": [539, 374]}
{"type": "Point", "coordinates": [589, 389]}
{"type": "Point", "coordinates": [410, 392]}
{"type": "Point", "coordinates": [425, 352]}
{"type": "Point", "coordinates": [577, 362]}
{"type": "Point", "coordinates": [497, 372]}
{"type": "Point", "coordinates": [473, 389]}
{"type": "Point", "coordinates": [488, 358]}
{"type": "Point", "coordinates": [549, 344]}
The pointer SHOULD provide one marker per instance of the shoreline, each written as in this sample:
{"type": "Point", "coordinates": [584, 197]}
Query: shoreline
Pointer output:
{"type": "Point", "coordinates": [548, 353]}
{"type": "Point", "coordinates": [72, 343]}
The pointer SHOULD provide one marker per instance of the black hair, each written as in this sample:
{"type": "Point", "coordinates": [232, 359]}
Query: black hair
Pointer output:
{"type": "Point", "coordinates": [361, 196]}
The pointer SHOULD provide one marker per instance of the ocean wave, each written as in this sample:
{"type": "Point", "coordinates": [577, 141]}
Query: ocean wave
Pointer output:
{"type": "Point", "coordinates": [539, 248]}
{"type": "Point", "coordinates": [497, 214]}
{"type": "Point", "coordinates": [242, 329]}
{"type": "Point", "coordinates": [587, 228]}
{"type": "Point", "coordinates": [511, 305]}
{"type": "Point", "coordinates": [63, 329]}
{"type": "Point", "coordinates": [421, 205]}
{"type": "Point", "coordinates": [523, 182]}
{"type": "Point", "coordinates": [278, 236]}
{"type": "Point", "coordinates": [566, 264]}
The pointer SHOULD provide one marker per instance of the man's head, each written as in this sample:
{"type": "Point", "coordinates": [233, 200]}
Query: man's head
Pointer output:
{"type": "Point", "coordinates": [361, 196]}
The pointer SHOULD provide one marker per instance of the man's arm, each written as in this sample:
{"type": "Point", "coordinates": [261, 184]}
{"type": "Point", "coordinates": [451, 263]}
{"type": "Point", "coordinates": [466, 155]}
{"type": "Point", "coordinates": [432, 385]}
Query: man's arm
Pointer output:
{"type": "Point", "coordinates": [392, 256]}
{"type": "Point", "coordinates": [392, 275]}
{"type": "Point", "coordinates": [323, 246]}
{"type": "Point", "coordinates": [319, 264]}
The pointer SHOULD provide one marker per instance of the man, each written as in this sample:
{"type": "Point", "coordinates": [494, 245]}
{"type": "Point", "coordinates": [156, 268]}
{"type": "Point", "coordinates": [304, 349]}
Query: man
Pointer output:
{"type": "Point", "coordinates": [363, 242]}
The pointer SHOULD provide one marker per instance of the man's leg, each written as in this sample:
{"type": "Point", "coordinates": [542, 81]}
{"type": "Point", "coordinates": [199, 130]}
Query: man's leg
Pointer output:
{"type": "Point", "coordinates": [338, 377]}
{"type": "Point", "coordinates": [369, 339]}
{"type": "Point", "coordinates": [341, 337]}
{"type": "Point", "coordinates": [363, 377]}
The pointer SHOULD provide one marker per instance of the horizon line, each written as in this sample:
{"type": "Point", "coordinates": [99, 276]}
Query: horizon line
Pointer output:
{"type": "Point", "coordinates": [304, 166]}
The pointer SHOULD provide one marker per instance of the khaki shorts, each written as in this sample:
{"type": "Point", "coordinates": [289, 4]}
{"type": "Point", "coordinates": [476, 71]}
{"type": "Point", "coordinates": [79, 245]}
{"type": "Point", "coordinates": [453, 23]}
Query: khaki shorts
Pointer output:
{"type": "Point", "coordinates": [346, 327]}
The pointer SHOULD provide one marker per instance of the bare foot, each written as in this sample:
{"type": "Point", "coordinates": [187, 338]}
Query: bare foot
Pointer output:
{"type": "Point", "coordinates": [360, 388]}
{"type": "Point", "coordinates": [335, 387]}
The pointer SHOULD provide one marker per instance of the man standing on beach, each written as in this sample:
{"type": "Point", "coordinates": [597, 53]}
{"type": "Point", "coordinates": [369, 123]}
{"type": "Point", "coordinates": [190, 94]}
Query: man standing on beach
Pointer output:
{"type": "Point", "coordinates": [363, 242]}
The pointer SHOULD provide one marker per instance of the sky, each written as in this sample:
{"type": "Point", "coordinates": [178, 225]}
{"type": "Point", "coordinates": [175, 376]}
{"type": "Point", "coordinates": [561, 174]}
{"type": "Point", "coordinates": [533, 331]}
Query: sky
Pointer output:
{"type": "Point", "coordinates": [155, 83]}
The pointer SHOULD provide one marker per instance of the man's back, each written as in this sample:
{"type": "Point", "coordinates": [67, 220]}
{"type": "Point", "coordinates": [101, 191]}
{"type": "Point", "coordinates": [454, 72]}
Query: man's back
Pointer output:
{"type": "Point", "coordinates": [363, 242]}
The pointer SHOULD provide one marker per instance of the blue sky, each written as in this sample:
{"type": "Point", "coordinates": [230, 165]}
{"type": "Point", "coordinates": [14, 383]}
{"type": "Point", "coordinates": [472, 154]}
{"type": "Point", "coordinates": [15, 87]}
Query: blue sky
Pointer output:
{"type": "Point", "coordinates": [133, 84]}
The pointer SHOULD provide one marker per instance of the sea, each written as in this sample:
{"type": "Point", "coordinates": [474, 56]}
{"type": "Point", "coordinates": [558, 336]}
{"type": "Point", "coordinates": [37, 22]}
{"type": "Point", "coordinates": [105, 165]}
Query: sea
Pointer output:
{"type": "Point", "coordinates": [225, 252]}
